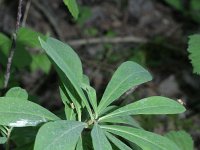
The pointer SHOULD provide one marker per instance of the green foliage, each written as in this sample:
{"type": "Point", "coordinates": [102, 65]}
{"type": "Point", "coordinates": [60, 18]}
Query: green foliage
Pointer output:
{"type": "Point", "coordinates": [87, 120]}
{"type": "Point", "coordinates": [128, 75]}
{"type": "Point", "coordinates": [17, 92]}
{"type": "Point", "coordinates": [192, 11]}
{"type": "Point", "coordinates": [176, 4]}
{"type": "Point", "coordinates": [59, 135]}
{"type": "Point", "coordinates": [182, 139]}
{"type": "Point", "coordinates": [194, 50]}
{"type": "Point", "coordinates": [99, 138]}
{"type": "Point", "coordinates": [26, 39]}
{"type": "Point", "coordinates": [144, 139]}
{"type": "Point", "coordinates": [73, 7]}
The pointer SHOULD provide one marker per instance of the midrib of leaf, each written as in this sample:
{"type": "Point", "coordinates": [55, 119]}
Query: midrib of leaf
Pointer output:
{"type": "Point", "coordinates": [118, 130]}
{"type": "Point", "coordinates": [56, 139]}
{"type": "Point", "coordinates": [117, 113]}
{"type": "Point", "coordinates": [108, 97]}
{"type": "Point", "coordinates": [29, 114]}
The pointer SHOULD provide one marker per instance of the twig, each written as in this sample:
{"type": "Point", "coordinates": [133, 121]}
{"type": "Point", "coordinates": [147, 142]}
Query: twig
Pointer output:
{"type": "Point", "coordinates": [28, 5]}
{"type": "Point", "coordinates": [13, 46]}
{"type": "Point", "coordinates": [115, 40]}
{"type": "Point", "coordinates": [50, 18]}
{"type": "Point", "coordinates": [8, 138]}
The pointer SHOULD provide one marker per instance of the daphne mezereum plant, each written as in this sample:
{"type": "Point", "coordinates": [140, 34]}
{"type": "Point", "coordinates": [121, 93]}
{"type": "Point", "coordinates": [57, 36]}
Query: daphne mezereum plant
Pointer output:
{"type": "Point", "coordinates": [88, 124]}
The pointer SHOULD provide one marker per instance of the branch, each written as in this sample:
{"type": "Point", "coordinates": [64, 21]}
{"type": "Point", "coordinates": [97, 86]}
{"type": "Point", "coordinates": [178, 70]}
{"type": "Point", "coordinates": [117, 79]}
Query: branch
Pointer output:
{"type": "Point", "coordinates": [13, 46]}
{"type": "Point", "coordinates": [115, 40]}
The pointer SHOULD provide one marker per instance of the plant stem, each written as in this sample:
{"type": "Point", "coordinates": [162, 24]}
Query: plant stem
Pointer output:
{"type": "Point", "coordinates": [13, 46]}
{"type": "Point", "coordinates": [8, 138]}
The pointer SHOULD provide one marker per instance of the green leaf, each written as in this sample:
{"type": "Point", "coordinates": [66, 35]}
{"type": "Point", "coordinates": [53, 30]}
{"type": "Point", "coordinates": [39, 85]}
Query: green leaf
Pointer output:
{"type": "Point", "coordinates": [74, 100]}
{"type": "Point", "coordinates": [91, 94]}
{"type": "Point", "coordinates": [59, 135]}
{"type": "Point", "coordinates": [99, 140]}
{"type": "Point", "coordinates": [182, 139]}
{"type": "Point", "coordinates": [150, 105]}
{"type": "Point", "coordinates": [127, 76]}
{"type": "Point", "coordinates": [66, 56]}
{"type": "Point", "coordinates": [177, 4]}
{"type": "Point", "coordinates": [85, 80]}
{"type": "Point", "coordinates": [73, 7]}
{"type": "Point", "coordinates": [123, 120]}
{"type": "Point", "coordinates": [117, 142]}
{"type": "Point", "coordinates": [40, 61]}
{"type": "Point", "coordinates": [69, 111]}
{"type": "Point", "coordinates": [3, 140]}
{"type": "Point", "coordinates": [15, 112]}
{"type": "Point", "coordinates": [79, 145]}
{"type": "Point", "coordinates": [67, 60]}
{"type": "Point", "coordinates": [146, 140]}
{"type": "Point", "coordinates": [5, 44]}
{"type": "Point", "coordinates": [194, 50]}
{"type": "Point", "coordinates": [28, 37]}
{"type": "Point", "coordinates": [20, 53]}
{"type": "Point", "coordinates": [18, 93]}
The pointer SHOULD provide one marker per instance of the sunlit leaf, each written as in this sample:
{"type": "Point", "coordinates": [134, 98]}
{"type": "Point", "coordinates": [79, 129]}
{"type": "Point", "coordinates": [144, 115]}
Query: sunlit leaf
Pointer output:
{"type": "Point", "coordinates": [99, 140]}
{"type": "Point", "coordinates": [127, 76]}
{"type": "Point", "coordinates": [66, 59]}
{"type": "Point", "coordinates": [18, 93]}
{"type": "Point", "coordinates": [150, 105]}
{"type": "Point", "coordinates": [15, 112]}
{"type": "Point", "coordinates": [182, 139]}
{"type": "Point", "coordinates": [146, 140]}
{"type": "Point", "coordinates": [117, 142]}
{"type": "Point", "coordinates": [59, 135]}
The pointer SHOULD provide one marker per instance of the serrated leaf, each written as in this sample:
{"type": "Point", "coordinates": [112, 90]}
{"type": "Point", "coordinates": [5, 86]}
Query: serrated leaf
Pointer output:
{"type": "Point", "coordinates": [73, 7]}
{"type": "Point", "coordinates": [150, 105]}
{"type": "Point", "coordinates": [66, 59]}
{"type": "Point", "coordinates": [99, 140]}
{"type": "Point", "coordinates": [127, 76]}
{"type": "Point", "coordinates": [182, 139]}
{"type": "Point", "coordinates": [117, 142]}
{"type": "Point", "coordinates": [15, 112]}
{"type": "Point", "coordinates": [146, 140]}
{"type": "Point", "coordinates": [17, 92]}
{"type": "Point", "coordinates": [194, 50]}
{"type": "Point", "coordinates": [59, 135]}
